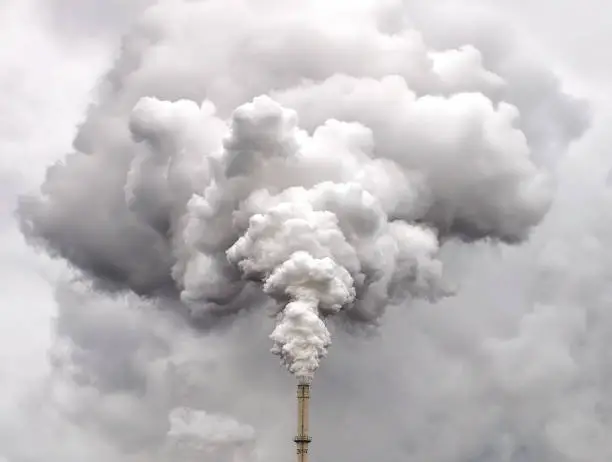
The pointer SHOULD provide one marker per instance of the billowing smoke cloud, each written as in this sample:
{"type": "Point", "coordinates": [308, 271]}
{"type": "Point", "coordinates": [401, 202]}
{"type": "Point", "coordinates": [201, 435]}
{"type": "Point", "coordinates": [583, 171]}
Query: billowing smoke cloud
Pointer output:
{"type": "Point", "coordinates": [344, 215]}
{"type": "Point", "coordinates": [327, 157]}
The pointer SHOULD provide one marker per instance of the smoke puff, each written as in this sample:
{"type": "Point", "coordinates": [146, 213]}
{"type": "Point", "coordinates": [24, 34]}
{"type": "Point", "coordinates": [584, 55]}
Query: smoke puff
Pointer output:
{"type": "Point", "coordinates": [194, 434]}
{"type": "Point", "coordinates": [462, 144]}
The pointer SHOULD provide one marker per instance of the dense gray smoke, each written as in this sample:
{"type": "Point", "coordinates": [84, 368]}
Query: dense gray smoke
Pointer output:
{"type": "Point", "coordinates": [403, 146]}
{"type": "Point", "coordinates": [325, 158]}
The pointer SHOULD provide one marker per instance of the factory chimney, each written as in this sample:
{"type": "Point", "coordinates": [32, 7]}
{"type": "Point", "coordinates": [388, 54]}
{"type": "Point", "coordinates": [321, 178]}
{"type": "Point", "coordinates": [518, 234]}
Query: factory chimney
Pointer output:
{"type": "Point", "coordinates": [302, 439]}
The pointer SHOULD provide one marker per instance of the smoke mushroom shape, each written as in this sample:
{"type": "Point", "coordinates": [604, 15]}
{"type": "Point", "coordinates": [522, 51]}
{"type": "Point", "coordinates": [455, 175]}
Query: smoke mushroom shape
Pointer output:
{"type": "Point", "coordinates": [215, 203]}
{"type": "Point", "coordinates": [315, 237]}
{"type": "Point", "coordinates": [312, 246]}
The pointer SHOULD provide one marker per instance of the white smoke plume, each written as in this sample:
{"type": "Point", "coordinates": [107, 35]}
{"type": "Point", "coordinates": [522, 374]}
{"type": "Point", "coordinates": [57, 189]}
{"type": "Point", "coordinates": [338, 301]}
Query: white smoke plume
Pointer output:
{"type": "Point", "coordinates": [315, 234]}
{"type": "Point", "coordinates": [334, 157]}
{"type": "Point", "coordinates": [401, 146]}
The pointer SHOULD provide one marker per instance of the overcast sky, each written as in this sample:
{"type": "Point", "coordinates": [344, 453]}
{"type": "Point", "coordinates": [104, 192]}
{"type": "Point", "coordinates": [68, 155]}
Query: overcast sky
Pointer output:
{"type": "Point", "coordinates": [514, 368]}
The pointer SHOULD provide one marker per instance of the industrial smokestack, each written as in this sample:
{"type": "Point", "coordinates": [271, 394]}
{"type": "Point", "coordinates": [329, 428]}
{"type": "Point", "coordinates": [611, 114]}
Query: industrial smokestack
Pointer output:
{"type": "Point", "coordinates": [302, 439]}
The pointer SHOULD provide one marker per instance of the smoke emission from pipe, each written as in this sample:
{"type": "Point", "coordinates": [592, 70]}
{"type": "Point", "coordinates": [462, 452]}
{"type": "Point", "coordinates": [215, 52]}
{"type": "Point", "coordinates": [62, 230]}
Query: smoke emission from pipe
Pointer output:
{"type": "Point", "coordinates": [321, 155]}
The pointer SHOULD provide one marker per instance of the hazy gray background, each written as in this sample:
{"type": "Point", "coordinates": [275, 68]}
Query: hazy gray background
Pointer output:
{"type": "Point", "coordinates": [516, 368]}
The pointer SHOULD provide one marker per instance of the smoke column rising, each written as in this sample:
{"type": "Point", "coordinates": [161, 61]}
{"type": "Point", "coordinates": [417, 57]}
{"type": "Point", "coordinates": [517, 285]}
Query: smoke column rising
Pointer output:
{"type": "Point", "coordinates": [320, 153]}
{"type": "Point", "coordinates": [345, 216]}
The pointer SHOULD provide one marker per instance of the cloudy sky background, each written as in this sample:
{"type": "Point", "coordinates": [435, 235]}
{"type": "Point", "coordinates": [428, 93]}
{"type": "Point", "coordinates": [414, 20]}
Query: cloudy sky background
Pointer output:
{"type": "Point", "coordinates": [540, 311]}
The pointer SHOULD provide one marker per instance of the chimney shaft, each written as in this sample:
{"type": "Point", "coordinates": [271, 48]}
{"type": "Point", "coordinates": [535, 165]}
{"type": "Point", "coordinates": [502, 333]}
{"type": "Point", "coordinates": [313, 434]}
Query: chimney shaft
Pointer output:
{"type": "Point", "coordinates": [302, 439]}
